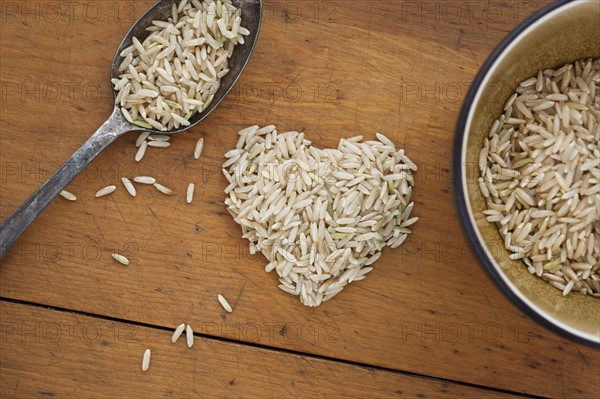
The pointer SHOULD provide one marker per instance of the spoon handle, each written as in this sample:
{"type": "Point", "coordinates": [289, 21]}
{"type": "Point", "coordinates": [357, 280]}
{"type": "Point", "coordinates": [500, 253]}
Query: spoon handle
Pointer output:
{"type": "Point", "coordinates": [13, 226]}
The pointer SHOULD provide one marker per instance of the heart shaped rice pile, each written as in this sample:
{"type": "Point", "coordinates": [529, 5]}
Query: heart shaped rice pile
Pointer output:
{"type": "Point", "coordinates": [321, 217]}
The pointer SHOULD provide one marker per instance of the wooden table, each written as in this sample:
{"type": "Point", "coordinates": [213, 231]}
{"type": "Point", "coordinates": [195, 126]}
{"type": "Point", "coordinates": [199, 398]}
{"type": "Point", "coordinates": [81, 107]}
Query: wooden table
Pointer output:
{"type": "Point", "coordinates": [426, 323]}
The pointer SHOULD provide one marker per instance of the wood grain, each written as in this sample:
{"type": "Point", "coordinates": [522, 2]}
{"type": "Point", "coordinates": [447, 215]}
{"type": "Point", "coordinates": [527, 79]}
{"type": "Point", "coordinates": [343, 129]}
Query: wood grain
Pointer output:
{"type": "Point", "coordinates": [47, 353]}
{"type": "Point", "coordinates": [331, 69]}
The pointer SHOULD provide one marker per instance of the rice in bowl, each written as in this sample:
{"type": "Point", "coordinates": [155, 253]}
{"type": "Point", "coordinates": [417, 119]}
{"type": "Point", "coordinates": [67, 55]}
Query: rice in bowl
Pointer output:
{"type": "Point", "coordinates": [540, 176]}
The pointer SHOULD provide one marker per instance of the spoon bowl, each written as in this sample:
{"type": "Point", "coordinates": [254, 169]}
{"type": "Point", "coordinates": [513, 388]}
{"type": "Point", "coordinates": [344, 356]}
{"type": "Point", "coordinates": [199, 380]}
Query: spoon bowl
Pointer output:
{"type": "Point", "coordinates": [251, 16]}
{"type": "Point", "coordinates": [13, 226]}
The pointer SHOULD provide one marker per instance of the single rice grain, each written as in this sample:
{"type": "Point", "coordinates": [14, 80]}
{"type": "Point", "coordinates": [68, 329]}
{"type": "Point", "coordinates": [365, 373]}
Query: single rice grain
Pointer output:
{"type": "Point", "coordinates": [189, 335]}
{"type": "Point", "coordinates": [224, 303]}
{"type": "Point", "coordinates": [141, 151]}
{"type": "Point", "coordinates": [190, 193]}
{"type": "Point", "coordinates": [121, 259]}
{"type": "Point", "coordinates": [177, 333]}
{"type": "Point", "coordinates": [198, 149]}
{"type": "Point", "coordinates": [144, 179]}
{"type": "Point", "coordinates": [129, 186]}
{"type": "Point", "coordinates": [163, 189]}
{"type": "Point", "coordinates": [146, 360]}
{"type": "Point", "coordinates": [68, 195]}
{"type": "Point", "coordinates": [105, 191]}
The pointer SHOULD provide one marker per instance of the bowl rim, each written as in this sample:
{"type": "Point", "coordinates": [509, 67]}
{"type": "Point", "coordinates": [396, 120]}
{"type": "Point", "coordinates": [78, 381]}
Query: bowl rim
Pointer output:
{"type": "Point", "coordinates": [460, 186]}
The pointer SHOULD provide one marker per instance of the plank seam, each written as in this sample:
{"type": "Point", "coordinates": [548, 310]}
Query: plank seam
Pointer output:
{"type": "Point", "coordinates": [273, 348]}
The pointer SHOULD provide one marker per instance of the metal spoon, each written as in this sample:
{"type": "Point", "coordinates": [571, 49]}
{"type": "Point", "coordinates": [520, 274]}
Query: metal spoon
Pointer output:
{"type": "Point", "coordinates": [13, 226]}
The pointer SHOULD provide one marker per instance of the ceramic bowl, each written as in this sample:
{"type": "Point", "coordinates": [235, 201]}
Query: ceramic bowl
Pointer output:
{"type": "Point", "coordinates": [558, 34]}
